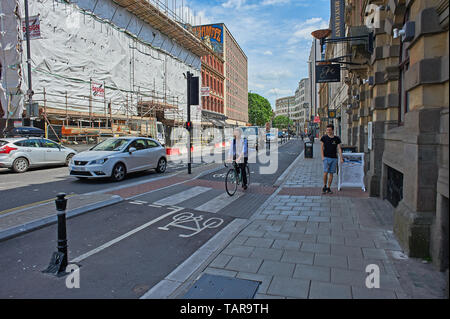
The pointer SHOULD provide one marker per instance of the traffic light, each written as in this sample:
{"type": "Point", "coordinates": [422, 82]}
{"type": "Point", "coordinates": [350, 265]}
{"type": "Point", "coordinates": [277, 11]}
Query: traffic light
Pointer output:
{"type": "Point", "coordinates": [188, 125]}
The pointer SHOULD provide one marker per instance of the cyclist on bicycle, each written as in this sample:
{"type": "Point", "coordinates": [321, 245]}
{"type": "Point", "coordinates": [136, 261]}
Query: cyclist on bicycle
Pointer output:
{"type": "Point", "coordinates": [239, 153]}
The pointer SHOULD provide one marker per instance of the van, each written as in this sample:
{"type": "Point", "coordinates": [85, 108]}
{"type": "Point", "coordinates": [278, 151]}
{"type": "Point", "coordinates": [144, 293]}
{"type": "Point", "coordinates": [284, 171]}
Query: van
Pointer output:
{"type": "Point", "coordinates": [255, 136]}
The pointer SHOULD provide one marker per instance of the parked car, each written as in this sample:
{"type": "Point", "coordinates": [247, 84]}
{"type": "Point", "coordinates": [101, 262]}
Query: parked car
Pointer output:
{"type": "Point", "coordinates": [19, 154]}
{"type": "Point", "coordinates": [118, 156]}
{"type": "Point", "coordinates": [24, 131]}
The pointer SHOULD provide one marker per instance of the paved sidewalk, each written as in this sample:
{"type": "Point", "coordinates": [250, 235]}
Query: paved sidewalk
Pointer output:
{"type": "Point", "coordinates": [318, 246]}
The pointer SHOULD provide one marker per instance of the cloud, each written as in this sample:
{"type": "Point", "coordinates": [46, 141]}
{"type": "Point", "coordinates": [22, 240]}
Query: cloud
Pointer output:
{"type": "Point", "coordinates": [274, 75]}
{"type": "Point", "coordinates": [303, 30]}
{"type": "Point", "coordinates": [279, 92]}
{"type": "Point", "coordinates": [274, 2]}
{"type": "Point", "coordinates": [233, 4]}
{"type": "Point", "coordinates": [268, 52]}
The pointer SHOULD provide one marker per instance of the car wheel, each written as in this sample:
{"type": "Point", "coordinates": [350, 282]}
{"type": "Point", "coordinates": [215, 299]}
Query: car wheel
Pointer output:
{"type": "Point", "coordinates": [20, 165]}
{"type": "Point", "coordinates": [162, 165]}
{"type": "Point", "coordinates": [68, 158]}
{"type": "Point", "coordinates": [118, 172]}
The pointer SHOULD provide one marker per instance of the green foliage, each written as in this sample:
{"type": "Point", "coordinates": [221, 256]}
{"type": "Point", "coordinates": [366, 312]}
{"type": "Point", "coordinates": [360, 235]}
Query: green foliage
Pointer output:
{"type": "Point", "coordinates": [282, 122]}
{"type": "Point", "coordinates": [259, 110]}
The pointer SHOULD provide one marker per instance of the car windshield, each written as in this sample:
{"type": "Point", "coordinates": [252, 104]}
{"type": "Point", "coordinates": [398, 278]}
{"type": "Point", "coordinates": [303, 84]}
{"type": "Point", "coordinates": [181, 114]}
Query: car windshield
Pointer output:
{"type": "Point", "coordinates": [111, 145]}
{"type": "Point", "coordinates": [3, 143]}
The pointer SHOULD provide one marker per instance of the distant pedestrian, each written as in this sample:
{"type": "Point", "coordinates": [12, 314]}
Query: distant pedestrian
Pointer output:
{"type": "Point", "coordinates": [330, 144]}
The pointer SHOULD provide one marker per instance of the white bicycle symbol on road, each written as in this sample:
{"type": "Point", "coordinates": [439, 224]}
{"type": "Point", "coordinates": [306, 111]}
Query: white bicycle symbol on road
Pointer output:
{"type": "Point", "coordinates": [219, 175]}
{"type": "Point", "coordinates": [180, 220]}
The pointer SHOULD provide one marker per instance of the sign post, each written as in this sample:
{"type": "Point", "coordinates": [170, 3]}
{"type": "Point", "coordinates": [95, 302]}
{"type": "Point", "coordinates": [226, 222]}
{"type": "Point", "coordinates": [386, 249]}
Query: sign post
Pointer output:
{"type": "Point", "coordinates": [351, 172]}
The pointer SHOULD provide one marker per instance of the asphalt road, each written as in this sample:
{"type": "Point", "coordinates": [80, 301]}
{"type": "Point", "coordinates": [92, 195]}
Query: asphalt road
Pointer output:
{"type": "Point", "coordinates": [41, 184]}
{"type": "Point", "coordinates": [127, 248]}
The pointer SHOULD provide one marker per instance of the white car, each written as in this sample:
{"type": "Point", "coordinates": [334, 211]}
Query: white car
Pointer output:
{"type": "Point", "coordinates": [19, 154]}
{"type": "Point", "coordinates": [115, 157]}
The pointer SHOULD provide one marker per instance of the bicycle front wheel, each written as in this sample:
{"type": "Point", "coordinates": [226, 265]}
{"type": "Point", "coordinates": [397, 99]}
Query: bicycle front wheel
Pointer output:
{"type": "Point", "coordinates": [231, 182]}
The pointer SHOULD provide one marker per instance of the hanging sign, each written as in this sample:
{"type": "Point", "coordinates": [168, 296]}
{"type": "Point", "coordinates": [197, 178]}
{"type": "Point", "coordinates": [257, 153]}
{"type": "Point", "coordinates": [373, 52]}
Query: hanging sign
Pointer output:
{"type": "Point", "coordinates": [351, 171]}
{"type": "Point", "coordinates": [328, 73]}
{"type": "Point", "coordinates": [337, 19]}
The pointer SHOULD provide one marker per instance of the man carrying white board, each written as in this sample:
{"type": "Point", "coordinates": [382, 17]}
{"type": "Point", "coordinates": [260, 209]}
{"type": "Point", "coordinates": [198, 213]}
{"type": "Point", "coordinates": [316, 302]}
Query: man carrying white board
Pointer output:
{"type": "Point", "coordinates": [330, 144]}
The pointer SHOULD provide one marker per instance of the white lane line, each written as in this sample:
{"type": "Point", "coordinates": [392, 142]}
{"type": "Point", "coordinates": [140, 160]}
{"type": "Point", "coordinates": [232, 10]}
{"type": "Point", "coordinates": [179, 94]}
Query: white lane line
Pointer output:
{"type": "Point", "coordinates": [116, 240]}
{"type": "Point", "coordinates": [219, 202]}
{"type": "Point", "coordinates": [182, 196]}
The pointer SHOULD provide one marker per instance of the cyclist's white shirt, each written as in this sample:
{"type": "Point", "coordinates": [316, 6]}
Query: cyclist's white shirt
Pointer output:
{"type": "Point", "coordinates": [239, 150]}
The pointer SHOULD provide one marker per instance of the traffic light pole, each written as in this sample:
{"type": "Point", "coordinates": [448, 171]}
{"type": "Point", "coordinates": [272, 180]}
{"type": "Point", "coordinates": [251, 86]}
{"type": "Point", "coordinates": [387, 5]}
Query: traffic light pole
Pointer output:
{"type": "Point", "coordinates": [189, 76]}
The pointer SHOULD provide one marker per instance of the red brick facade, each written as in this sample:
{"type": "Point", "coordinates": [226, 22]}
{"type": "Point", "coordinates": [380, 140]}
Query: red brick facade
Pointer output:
{"type": "Point", "coordinates": [213, 77]}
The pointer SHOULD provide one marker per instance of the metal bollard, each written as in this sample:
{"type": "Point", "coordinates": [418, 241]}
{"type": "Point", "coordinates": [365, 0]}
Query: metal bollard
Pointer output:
{"type": "Point", "coordinates": [59, 259]}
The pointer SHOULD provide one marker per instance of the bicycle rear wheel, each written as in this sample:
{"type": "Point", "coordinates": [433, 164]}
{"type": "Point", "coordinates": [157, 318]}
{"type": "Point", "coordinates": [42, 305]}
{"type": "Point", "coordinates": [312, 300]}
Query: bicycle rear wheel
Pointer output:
{"type": "Point", "coordinates": [231, 182]}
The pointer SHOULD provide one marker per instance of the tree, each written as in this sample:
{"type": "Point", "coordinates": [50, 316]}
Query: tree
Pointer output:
{"type": "Point", "coordinates": [281, 122]}
{"type": "Point", "coordinates": [259, 109]}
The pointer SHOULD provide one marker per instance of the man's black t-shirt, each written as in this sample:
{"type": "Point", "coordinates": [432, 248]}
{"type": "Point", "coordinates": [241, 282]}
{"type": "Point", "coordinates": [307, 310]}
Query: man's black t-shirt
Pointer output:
{"type": "Point", "coordinates": [330, 146]}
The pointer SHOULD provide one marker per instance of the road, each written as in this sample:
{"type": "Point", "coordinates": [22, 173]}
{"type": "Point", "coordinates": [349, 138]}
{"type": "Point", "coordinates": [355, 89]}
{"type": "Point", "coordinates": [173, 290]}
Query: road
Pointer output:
{"type": "Point", "coordinates": [127, 248]}
{"type": "Point", "coordinates": [42, 184]}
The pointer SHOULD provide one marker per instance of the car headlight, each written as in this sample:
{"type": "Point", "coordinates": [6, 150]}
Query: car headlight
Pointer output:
{"type": "Point", "coordinates": [99, 161]}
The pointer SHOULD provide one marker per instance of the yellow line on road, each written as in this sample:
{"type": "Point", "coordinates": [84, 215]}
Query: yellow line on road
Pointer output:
{"type": "Point", "coordinates": [31, 205]}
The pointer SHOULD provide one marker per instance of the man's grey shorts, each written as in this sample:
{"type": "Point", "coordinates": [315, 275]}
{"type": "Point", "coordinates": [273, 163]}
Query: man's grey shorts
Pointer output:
{"type": "Point", "coordinates": [329, 165]}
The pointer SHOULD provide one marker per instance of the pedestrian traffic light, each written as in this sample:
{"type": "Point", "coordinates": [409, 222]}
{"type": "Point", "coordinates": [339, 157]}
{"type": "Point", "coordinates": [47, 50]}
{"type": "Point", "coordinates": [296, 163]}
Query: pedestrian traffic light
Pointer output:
{"type": "Point", "coordinates": [188, 125]}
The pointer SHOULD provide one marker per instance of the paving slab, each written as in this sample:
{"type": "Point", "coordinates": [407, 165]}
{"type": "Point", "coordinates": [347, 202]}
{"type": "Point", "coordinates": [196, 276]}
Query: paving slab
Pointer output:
{"type": "Point", "coordinates": [271, 267]}
{"type": "Point", "coordinates": [244, 264]}
{"type": "Point", "coordinates": [323, 290]}
{"type": "Point", "coordinates": [289, 287]}
{"type": "Point", "coordinates": [309, 272]}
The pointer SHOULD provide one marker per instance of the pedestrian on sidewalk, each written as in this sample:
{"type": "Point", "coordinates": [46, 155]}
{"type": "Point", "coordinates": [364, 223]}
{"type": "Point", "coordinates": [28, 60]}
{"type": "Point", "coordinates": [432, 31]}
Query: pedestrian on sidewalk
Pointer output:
{"type": "Point", "coordinates": [330, 144]}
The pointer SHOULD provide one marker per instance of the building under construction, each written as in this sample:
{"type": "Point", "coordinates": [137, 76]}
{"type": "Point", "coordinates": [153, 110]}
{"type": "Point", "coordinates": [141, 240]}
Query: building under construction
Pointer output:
{"type": "Point", "coordinates": [99, 67]}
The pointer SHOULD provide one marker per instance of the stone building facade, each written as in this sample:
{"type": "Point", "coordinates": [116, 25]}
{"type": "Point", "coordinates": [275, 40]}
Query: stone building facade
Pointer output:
{"type": "Point", "coordinates": [401, 89]}
{"type": "Point", "coordinates": [301, 112]}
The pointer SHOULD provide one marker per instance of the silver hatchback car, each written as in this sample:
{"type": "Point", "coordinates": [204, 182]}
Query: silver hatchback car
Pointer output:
{"type": "Point", "coordinates": [19, 154]}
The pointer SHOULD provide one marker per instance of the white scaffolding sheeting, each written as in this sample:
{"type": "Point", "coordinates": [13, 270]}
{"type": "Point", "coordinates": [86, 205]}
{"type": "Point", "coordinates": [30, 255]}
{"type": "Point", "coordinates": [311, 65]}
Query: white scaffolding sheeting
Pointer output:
{"type": "Point", "coordinates": [132, 60]}
{"type": "Point", "coordinates": [10, 58]}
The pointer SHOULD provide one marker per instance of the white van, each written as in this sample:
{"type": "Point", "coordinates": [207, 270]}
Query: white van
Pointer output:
{"type": "Point", "coordinates": [255, 136]}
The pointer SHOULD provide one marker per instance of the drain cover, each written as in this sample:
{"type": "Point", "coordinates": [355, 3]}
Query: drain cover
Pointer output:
{"type": "Point", "coordinates": [220, 287]}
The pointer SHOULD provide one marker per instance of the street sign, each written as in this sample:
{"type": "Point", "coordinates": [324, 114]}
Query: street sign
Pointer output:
{"type": "Point", "coordinates": [204, 91]}
{"type": "Point", "coordinates": [328, 73]}
{"type": "Point", "coordinates": [351, 171]}
{"type": "Point", "coordinates": [331, 114]}
{"type": "Point", "coordinates": [34, 28]}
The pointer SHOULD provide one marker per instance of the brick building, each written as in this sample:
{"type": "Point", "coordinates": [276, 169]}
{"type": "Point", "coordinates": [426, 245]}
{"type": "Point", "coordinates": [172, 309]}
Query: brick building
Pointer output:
{"type": "Point", "coordinates": [213, 77]}
{"type": "Point", "coordinates": [235, 70]}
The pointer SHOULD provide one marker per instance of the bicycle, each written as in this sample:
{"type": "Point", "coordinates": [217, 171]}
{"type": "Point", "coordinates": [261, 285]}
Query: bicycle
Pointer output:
{"type": "Point", "coordinates": [234, 178]}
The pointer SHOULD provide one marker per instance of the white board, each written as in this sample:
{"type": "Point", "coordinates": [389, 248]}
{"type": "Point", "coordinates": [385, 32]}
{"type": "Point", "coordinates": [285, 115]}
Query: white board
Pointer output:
{"type": "Point", "coordinates": [351, 172]}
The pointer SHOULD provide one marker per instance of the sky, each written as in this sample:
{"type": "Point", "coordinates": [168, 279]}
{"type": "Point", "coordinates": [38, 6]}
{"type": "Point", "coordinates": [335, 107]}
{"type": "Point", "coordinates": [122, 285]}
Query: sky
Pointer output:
{"type": "Point", "coordinates": [274, 34]}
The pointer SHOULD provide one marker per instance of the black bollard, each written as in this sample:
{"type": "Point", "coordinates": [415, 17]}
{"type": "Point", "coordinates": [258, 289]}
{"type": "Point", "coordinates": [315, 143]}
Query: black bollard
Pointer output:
{"type": "Point", "coordinates": [59, 259]}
